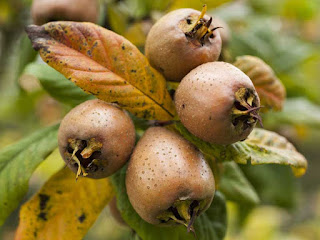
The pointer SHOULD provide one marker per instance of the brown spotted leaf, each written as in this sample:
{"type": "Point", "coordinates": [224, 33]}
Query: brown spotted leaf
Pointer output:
{"type": "Point", "coordinates": [104, 64]}
{"type": "Point", "coordinates": [271, 91]}
{"type": "Point", "coordinates": [64, 208]}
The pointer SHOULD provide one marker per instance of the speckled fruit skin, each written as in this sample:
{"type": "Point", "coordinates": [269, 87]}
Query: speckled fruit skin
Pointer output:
{"type": "Point", "coordinates": [43, 11]}
{"type": "Point", "coordinates": [108, 124]}
{"type": "Point", "coordinates": [204, 100]}
{"type": "Point", "coordinates": [172, 53]}
{"type": "Point", "coordinates": [163, 168]}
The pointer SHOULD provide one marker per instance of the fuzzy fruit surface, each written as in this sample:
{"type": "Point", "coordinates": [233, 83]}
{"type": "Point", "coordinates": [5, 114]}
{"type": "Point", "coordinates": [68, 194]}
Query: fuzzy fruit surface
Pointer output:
{"type": "Point", "coordinates": [97, 134]}
{"type": "Point", "coordinates": [43, 11]}
{"type": "Point", "coordinates": [172, 52]}
{"type": "Point", "coordinates": [218, 103]}
{"type": "Point", "coordinates": [168, 180]}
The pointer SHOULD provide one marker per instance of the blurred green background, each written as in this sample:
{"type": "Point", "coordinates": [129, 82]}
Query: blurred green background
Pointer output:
{"type": "Point", "coordinates": [284, 33]}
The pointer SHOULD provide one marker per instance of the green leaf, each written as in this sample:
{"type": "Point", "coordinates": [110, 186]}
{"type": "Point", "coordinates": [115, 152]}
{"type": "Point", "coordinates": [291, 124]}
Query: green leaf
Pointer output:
{"type": "Point", "coordinates": [57, 85]}
{"type": "Point", "coordinates": [18, 162]}
{"type": "Point", "coordinates": [297, 111]}
{"type": "Point", "coordinates": [275, 185]}
{"type": "Point", "coordinates": [210, 225]}
{"type": "Point", "coordinates": [236, 187]}
{"type": "Point", "coordinates": [26, 54]}
{"type": "Point", "coordinates": [261, 147]}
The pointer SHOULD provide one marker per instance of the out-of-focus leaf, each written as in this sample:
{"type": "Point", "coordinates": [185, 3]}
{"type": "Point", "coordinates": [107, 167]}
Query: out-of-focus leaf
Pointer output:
{"type": "Point", "coordinates": [18, 162]}
{"type": "Point", "coordinates": [261, 147]}
{"type": "Point", "coordinates": [64, 208]}
{"type": "Point", "coordinates": [104, 64]}
{"type": "Point", "coordinates": [57, 85]}
{"type": "Point", "coordinates": [208, 226]}
{"type": "Point", "coordinates": [296, 111]}
{"type": "Point", "coordinates": [117, 19]}
{"type": "Point", "coordinates": [235, 186]}
{"type": "Point", "coordinates": [196, 4]}
{"type": "Point", "coordinates": [282, 52]}
{"type": "Point", "coordinates": [270, 89]}
{"type": "Point", "coordinates": [275, 185]}
{"type": "Point", "coordinates": [26, 54]}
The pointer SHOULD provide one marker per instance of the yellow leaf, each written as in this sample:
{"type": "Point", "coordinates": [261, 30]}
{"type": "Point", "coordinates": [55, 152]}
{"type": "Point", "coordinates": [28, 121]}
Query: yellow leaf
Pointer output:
{"type": "Point", "coordinates": [63, 208]}
{"type": "Point", "coordinates": [271, 91]}
{"type": "Point", "coordinates": [104, 64]}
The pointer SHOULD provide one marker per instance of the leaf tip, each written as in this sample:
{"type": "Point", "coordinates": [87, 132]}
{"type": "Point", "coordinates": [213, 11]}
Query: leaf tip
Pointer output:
{"type": "Point", "coordinates": [34, 33]}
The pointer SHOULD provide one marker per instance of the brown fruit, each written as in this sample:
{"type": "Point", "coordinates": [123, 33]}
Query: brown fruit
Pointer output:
{"type": "Point", "coordinates": [218, 103]}
{"type": "Point", "coordinates": [43, 11]}
{"type": "Point", "coordinates": [168, 180]}
{"type": "Point", "coordinates": [182, 40]}
{"type": "Point", "coordinates": [96, 138]}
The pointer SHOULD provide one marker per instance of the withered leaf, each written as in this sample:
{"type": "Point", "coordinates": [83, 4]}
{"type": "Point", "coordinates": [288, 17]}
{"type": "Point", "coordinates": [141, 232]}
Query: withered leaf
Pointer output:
{"type": "Point", "coordinates": [104, 64]}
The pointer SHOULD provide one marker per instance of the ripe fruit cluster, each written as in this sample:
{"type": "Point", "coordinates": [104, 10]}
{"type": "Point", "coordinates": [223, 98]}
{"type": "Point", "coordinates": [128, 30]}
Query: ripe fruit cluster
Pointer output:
{"type": "Point", "coordinates": [168, 180]}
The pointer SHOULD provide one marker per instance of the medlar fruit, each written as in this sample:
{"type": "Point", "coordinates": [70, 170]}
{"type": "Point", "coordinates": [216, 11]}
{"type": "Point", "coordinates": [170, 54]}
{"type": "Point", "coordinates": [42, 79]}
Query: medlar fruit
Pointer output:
{"type": "Point", "coordinates": [218, 103]}
{"type": "Point", "coordinates": [96, 139]}
{"type": "Point", "coordinates": [43, 11]}
{"type": "Point", "coordinates": [182, 40]}
{"type": "Point", "coordinates": [168, 180]}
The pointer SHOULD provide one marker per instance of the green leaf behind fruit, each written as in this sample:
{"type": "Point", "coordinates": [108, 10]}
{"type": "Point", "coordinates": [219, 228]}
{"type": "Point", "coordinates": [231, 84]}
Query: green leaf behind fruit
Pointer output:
{"type": "Point", "coordinates": [235, 186]}
{"type": "Point", "coordinates": [261, 147]}
{"type": "Point", "coordinates": [18, 162]}
{"type": "Point", "coordinates": [57, 85]}
{"type": "Point", "coordinates": [210, 225]}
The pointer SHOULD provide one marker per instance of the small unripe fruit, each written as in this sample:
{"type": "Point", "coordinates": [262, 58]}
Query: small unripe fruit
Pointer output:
{"type": "Point", "coordinates": [182, 40]}
{"type": "Point", "coordinates": [96, 138]}
{"type": "Point", "coordinates": [115, 212]}
{"type": "Point", "coordinates": [218, 103]}
{"type": "Point", "coordinates": [44, 11]}
{"type": "Point", "coordinates": [168, 180]}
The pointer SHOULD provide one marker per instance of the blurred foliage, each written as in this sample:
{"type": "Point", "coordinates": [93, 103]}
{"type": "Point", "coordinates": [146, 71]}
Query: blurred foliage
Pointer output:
{"type": "Point", "coordinates": [284, 33]}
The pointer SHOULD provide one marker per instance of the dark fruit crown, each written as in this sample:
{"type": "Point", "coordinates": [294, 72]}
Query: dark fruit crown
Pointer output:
{"type": "Point", "coordinates": [183, 212]}
{"type": "Point", "coordinates": [84, 154]}
{"type": "Point", "coordinates": [245, 112]}
{"type": "Point", "coordinates": [197, 28]}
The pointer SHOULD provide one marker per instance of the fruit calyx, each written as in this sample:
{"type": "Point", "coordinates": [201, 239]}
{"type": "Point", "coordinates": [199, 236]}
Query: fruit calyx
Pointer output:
{"type": "Point", "coordinates": [83, 153]}
{"type": "Point", "coordinates": [245, 112]}
{"type": "Point", "coordinates": [183, 212]}
{"type": "Point", "coordinates": [200, 30]}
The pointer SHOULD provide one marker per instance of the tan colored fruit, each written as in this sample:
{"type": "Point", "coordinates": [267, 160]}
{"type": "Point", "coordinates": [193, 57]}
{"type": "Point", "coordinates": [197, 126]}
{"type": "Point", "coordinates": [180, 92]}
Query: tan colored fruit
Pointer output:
{"type": "Point", "coordinates": [116, 213]}
{"type": "Point", "coordinates": [168, 180]}
{"type": "Point", "coordinates": [218, 103]}
{"type": "Point", "coordinates": [182, 40]}
{"type": "Point", "coordinates": [43, 11]}
{"type": "Point", "coordinates": [96, 139]}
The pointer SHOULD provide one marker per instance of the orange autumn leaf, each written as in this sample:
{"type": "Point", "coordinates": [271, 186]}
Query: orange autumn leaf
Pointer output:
{"type": "Point", "coordinates": [64, 208]}
{"type": "Point", "coordinates": [104, 64]}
